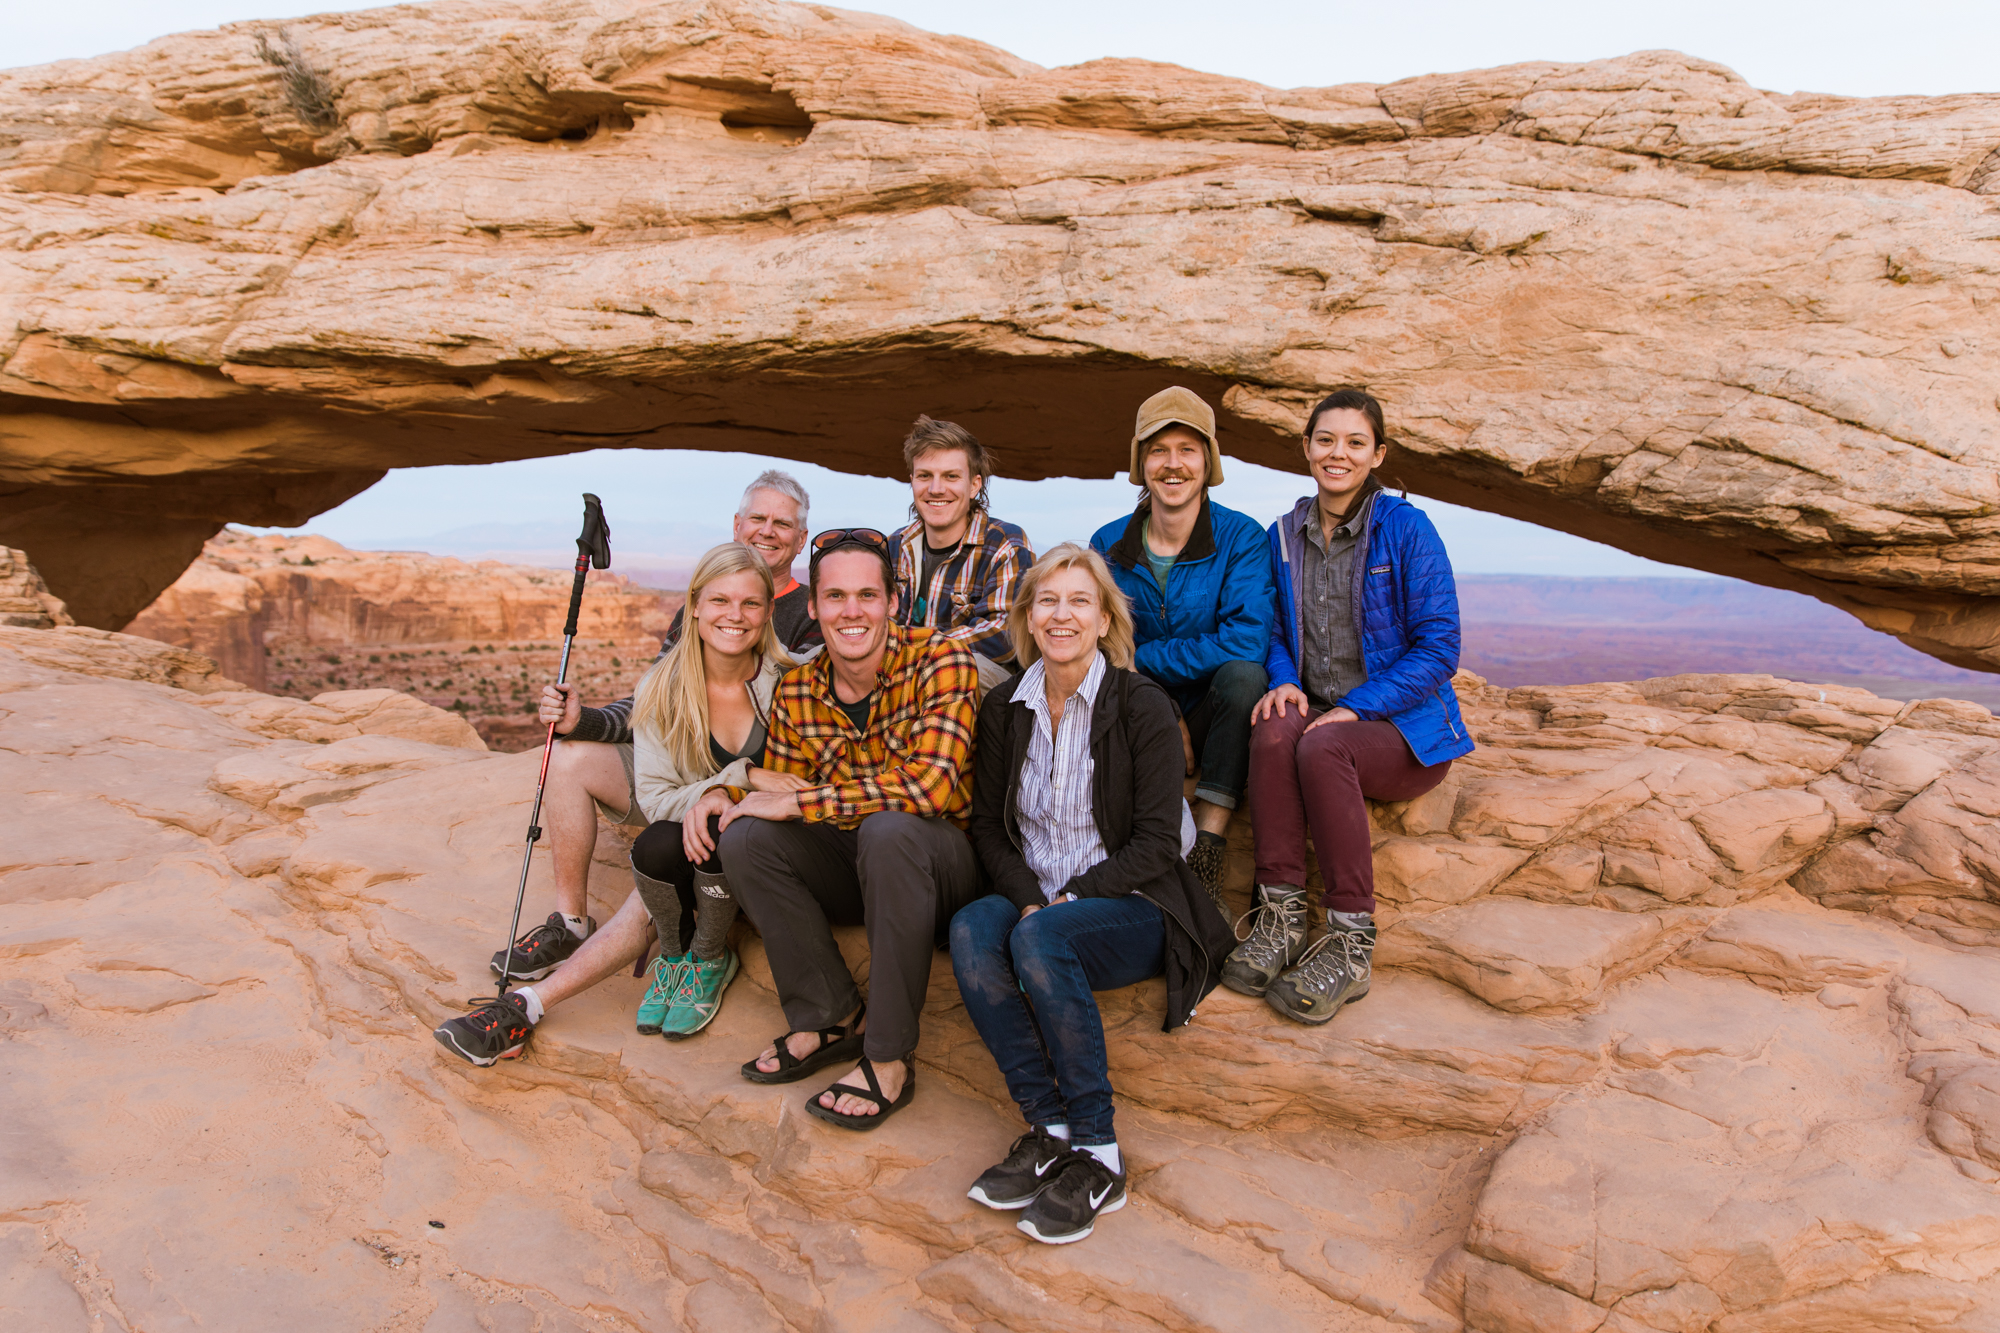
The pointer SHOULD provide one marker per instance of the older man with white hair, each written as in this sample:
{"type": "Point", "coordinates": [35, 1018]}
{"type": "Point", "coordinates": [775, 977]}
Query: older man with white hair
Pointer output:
{"type": "Point", "coordinates": [591, 771]}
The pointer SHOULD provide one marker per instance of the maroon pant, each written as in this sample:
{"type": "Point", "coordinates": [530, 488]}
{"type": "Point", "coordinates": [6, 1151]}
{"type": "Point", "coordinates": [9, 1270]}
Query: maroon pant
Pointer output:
{"type": "Point", "coordinates": [1317, 780]}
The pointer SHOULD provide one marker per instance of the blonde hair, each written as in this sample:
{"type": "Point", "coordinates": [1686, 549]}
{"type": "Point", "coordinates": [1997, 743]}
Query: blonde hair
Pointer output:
{"type": "Point", "coordinates": [672, 697]}
{"type": "Point", "coordinates": [1119, 638]}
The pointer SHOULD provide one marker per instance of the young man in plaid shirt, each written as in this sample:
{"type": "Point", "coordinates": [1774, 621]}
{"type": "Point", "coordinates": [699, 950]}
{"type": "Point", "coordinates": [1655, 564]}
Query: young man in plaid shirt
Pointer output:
{"type": "Point", "coordinates": [955, 563]}
{"type": "Point", "coordinates": [877, 735]}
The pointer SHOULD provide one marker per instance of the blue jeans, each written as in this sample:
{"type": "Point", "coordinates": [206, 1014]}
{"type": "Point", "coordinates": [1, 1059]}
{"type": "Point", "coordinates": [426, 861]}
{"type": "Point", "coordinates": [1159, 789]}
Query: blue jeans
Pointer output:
{"type": "Point", "coordinates": [1027, 986]}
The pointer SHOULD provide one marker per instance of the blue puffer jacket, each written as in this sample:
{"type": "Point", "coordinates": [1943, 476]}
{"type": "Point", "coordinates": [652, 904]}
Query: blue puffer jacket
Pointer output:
{"type": "Point", "coordinates": [1216, 606]}
{"type": "Point", "coordinates": [1405, 607]}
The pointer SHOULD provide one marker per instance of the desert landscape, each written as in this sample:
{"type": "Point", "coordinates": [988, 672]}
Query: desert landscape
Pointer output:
{"type": "Point", "coordinates": [1688, 1014]}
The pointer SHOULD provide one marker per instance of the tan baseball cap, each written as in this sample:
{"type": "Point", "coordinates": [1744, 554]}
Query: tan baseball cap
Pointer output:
{"type": "Point", "coordinates": [1176, 407]}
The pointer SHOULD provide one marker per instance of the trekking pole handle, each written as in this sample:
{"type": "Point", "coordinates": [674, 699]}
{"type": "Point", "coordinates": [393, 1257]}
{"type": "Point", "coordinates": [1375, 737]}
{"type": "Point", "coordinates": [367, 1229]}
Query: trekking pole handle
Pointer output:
{"type": "Point", "coordinates": [593, 550]}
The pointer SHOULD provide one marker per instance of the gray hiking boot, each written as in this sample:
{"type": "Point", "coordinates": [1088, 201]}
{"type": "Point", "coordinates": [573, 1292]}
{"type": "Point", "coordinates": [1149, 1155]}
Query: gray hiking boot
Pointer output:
{"type": "Point", "coordinates": [1277, 938]}
{"type": "Point", "coordinates": [1334, 971]}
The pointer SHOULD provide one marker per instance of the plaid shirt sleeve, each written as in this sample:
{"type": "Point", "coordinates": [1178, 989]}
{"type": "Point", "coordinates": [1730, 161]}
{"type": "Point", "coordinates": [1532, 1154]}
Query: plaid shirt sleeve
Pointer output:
{"type": "Point", "coordinates": [1004, 562]}
{"type": "Point", "coordinates": [932, 777]}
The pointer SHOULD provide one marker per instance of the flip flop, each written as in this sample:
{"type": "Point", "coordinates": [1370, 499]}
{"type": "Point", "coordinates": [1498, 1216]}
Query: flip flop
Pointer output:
{"type": "Point", "coordinates": [883, 1108]}
{"type": "Point", "coordinates": [836, 1044]}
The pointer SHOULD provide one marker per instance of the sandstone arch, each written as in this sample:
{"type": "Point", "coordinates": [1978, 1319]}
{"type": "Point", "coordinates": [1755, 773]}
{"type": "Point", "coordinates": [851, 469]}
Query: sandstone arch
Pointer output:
{"type": "Point", "coordinates": [1637, 299]}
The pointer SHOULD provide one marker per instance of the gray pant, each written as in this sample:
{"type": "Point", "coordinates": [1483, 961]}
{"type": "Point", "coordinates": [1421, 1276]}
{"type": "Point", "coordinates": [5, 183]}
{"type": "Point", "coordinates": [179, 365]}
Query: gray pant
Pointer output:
{"type": "Point", "coordinates": [901, 876]}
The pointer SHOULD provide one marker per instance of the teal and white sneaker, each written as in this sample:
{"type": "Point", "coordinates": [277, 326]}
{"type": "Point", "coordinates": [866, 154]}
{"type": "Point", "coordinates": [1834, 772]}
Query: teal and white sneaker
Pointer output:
{"type": "Point", "coordinates": [699, 996]}
{"type": "Point", "coordinates": [659, 994]}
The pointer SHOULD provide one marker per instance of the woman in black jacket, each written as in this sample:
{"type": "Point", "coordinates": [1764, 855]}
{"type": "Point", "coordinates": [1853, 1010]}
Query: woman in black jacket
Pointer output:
{"type": "Point", "coordinates": [1078, 818]}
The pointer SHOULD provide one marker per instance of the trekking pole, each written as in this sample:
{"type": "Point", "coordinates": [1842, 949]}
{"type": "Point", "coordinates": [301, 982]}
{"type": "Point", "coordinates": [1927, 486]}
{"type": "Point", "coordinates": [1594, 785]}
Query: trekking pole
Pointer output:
{"type": "Point", "coordinates": [593, 550]}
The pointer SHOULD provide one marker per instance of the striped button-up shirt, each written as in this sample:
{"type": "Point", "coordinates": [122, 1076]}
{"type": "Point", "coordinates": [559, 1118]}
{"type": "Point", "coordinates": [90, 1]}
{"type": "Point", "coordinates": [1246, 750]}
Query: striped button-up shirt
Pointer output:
{"type": "Point", "coordinates": [1058, 823]}
{"type": "Point", "coordinates": [914, 755]}
{"type": "Point", "coordinates": [971, 590]}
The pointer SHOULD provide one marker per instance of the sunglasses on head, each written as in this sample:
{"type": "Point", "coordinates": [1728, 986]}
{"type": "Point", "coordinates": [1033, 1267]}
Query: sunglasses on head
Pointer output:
{"type": "Point", "coordinates": [833, 538]}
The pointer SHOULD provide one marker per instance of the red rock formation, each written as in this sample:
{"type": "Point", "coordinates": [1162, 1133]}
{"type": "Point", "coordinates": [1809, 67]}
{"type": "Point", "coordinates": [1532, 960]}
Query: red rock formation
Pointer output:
{"type": "Point", "coordinates": [305, 615]}
{"type": "Point", "coordinates": [1636, 299]}
{"type": "Point", "coordinates": [1615, 1073]}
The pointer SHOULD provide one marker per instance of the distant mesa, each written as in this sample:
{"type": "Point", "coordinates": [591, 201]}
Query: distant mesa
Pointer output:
{"type": "Point", "coordinates": [302, 615]}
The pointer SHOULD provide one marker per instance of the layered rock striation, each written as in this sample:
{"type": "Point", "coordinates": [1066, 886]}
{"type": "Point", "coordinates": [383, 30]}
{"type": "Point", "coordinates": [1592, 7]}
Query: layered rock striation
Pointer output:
{"type": "Point", "coordinates": [1627, 1064]}
{"type": "Point", "coordinates": [303, 615]}
{"type": "Point", "coordinates": [246, 271]}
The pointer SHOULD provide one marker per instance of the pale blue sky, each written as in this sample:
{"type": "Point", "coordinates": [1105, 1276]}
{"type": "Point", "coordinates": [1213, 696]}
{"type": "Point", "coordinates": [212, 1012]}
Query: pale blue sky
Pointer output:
{"type": "Point", "coordinates": [1838, 46]}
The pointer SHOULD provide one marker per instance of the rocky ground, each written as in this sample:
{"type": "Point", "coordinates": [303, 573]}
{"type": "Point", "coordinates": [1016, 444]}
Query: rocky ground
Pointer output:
{"type": "Point", "coordinates": [1689, 1020]}
{"type": "Point", "coordinates": [300, 615]}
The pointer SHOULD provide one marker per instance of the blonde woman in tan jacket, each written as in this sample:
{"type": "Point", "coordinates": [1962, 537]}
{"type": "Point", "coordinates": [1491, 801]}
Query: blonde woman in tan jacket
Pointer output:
{"type": "Point", "coordinates": [698, 721]}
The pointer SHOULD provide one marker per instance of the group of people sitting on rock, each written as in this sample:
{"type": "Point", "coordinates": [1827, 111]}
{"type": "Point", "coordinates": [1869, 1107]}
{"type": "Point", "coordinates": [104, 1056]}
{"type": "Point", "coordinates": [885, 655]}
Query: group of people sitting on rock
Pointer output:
{"type": "Point", "coordinates": [950, 742]}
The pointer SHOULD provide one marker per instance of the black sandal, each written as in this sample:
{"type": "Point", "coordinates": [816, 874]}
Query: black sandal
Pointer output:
{"type": "Point", "coordinates": [883, 1109]}
{"type": "Point", "coordinates": [835, 1044]}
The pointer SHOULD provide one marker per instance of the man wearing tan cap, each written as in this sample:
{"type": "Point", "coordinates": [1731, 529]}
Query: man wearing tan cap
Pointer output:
{"type": "Point", "coordinates": [1199, 579]}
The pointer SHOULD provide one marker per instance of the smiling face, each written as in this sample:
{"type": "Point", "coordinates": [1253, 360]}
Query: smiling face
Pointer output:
{"type": "Point", "coordinates": [1176, 467]}
{"type": "Point", "coordinates": [1066, 619]}
{"type": "Point", "coordinates": [1340, 453]}
{"type": "Point", "coordinates": [852, 605]}
{"type": "Point", "coordinates": [729, 613]}
{"type": "Point", "coordinates": [770, 526]}
{"type": "Point", "coordinates": [942, 483]}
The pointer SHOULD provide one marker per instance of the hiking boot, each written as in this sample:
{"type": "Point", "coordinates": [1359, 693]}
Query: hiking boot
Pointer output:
{"type": "Point", "coordinates": [1333, 972]}
{"type": "Point", "coordinates": [1027, 1170]}
{"type": "Point", "coordinates": [659, 996]}
{"type": "Point", "coordinates": [542, 950]}
{"type": "Point", "coordinates": [699, 995]}
{"type": "Point", "coordinates": [496, 1030]}
{"type": "Point", "coordinates": [1206, 859]}
{"type": "Point", "coordinates": [1277, 939]}
{"type": "Point", "coordinates": [1084, 1190]}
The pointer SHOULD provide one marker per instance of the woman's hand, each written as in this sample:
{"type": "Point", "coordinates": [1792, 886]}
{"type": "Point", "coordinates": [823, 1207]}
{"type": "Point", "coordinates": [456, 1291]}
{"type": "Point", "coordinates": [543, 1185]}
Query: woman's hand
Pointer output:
{"type": "Point", "coordinates": [764, 779]}
{"type": "Point", "coordinates": [1274, 704]}
{"type": "Point", "coordinates": [1030, 910]}
{"type": "Point", "coordinates": [561, 705]}
{"type": "Point", "coordinates": [1333, 715]}
{"type": "Point", "coordinates": [694, 824]}
{"type": "Point", "coordinates": [1187, 749]}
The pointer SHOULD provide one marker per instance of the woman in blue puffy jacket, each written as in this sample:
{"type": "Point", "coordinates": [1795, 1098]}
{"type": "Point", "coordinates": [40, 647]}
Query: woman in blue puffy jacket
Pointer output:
{"type": "Point", "coordinates": [1360, 708]}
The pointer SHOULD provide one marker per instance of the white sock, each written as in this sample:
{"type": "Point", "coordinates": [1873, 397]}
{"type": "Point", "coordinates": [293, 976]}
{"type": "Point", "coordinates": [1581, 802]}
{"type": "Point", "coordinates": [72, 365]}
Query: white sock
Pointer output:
{"type": "Point", "coordinates": [1060, 1131]}
{"type": "Point", "coordinates": [1106, 1153]}
{"type": "Point", "coordinates": [531, 1002]}
{"type": "Point", "coordinates": [579, 926]}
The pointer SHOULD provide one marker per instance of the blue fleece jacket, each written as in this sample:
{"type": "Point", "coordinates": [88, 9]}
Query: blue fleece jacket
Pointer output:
{"type": "Point", "coordinates": [1405, 607]}
{"type": "Point", "coordinates": [1217, 606]}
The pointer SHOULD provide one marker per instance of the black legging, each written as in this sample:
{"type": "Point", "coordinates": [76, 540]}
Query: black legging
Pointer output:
{"type": "Point", "coordinates": [657, 854]}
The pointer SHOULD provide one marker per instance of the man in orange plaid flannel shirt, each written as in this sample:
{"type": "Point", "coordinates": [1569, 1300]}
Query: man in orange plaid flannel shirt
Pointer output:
{"type": "Point", "coordinates": [876, 733]}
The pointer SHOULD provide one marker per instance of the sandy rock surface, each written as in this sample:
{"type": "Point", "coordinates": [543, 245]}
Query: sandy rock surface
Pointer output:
{"type": "Point", "coordinates": [243, 272]}
{"type": "Point", "coordinates": [1614, 1073]}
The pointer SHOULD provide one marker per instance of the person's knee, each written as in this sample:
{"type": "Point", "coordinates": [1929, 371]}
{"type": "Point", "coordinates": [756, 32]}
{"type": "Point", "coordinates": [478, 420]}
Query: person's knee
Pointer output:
{"type": "Point", "coordinates": [1039, 947]}
{"type": "Point", "coordinates": [738, 845]}
{"type": "Point", "coordinates": [981, 927]}
{"type": "Point", "coordinates": [1330, 744]}
{"type": "Point", "coordinates": [1238, 686]}
{"type": "Point", "coordinates": [1277, 734]}
{"type": "Point", "coordinates": [890, 837]}
{"type": "Point", "coordinates": [657, 852]}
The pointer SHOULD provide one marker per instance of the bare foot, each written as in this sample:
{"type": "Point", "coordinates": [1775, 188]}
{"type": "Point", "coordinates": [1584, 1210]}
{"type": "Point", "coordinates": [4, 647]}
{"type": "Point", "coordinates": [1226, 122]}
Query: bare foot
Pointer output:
{"type": "Point", "coordinates": [891, 1075]}
{"type": "Point", "coordinates": [800, 1044]}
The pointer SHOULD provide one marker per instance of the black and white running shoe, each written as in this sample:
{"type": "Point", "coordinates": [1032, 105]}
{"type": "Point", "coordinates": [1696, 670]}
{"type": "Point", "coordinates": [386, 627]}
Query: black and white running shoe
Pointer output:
{"type": "Point", "coordinates": [1028, 1169]}
{"type": "Point", "coordinates": [542, 950]}
{"type": "Point", "coordinates": [496, 1030]}
{"type": "Point", "coordinates": [1084, 1190]}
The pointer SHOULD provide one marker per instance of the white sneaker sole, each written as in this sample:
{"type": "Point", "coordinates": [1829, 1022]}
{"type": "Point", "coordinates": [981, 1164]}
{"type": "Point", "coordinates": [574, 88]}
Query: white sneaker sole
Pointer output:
{"type": "Point", "coordinates": [978, 1195]}
{"type": "Point", "coordinates": [1025, 1225]}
